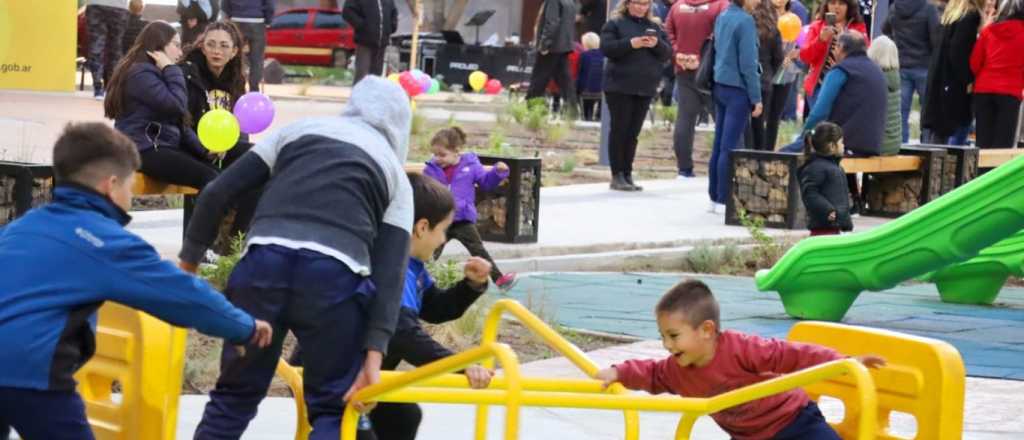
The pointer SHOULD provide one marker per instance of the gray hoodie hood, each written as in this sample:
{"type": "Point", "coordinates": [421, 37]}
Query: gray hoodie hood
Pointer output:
{"type": "Point", "coordinates": [384, 106]}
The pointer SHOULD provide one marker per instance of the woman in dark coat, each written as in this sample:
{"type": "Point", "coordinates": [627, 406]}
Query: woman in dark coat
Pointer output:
{"type": "Point", "coordinates": [771, 56]}
{"type": "Point", "coordinates": [947, 112]}
{"type": "Point", "coordinates": [636, 48]}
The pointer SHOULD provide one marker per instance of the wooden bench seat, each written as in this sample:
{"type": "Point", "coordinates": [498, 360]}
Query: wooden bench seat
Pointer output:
{"type": "Point", "coordinates": [881, 164]}
{"type": "Point", "coordinates": [993, 157]}
{"type": "Point", "coordinates": [147, 186]}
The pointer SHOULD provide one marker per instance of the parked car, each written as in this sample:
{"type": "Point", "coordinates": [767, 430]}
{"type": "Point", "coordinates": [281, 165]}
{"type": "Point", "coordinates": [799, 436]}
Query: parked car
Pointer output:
{"type": "Point", "coordinates": [316, 36]}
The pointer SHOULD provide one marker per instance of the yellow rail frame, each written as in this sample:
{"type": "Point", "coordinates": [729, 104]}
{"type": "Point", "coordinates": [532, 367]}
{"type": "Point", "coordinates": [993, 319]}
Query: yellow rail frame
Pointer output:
{"type": "Point", "coordinates": [434, 383]}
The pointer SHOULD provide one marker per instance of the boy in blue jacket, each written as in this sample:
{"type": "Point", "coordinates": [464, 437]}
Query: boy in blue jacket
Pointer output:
{"type": "Point", "coordinates": [48, 316]}
{"type": "Point", "coordinates": [423, 300]}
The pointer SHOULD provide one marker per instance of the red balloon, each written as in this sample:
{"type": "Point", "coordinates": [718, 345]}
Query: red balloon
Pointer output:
{"type": "Point", "coordinates": [410, 84]}
{"type": "Point", "coordinates": [493, 87]}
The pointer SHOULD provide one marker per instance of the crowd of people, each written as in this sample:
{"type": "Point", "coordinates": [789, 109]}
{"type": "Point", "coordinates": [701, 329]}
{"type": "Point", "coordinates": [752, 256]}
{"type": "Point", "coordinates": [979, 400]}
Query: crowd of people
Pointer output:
{"type": "Point", "coordinates": [956, 56]}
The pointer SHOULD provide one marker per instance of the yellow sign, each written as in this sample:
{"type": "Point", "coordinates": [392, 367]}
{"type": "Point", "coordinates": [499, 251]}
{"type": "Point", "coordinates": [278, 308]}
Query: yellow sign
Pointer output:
{"type": "Point", "coordinates": [37, 44]}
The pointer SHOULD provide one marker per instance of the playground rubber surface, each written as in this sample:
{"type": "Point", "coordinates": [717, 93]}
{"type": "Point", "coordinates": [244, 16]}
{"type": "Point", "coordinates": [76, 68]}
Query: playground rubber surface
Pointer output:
{"type": "Point", "coordinates": [990, 338]}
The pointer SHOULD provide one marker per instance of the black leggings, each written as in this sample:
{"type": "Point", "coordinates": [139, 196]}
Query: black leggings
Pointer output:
{"type": "Point", "coordinates": [996, 120]}
{"type": "Point", "coordinates": [627, 120]}
{"type": "Point", "coordinates": [178, 167]}
{"type": "Point", "coordinates": [466, 233]}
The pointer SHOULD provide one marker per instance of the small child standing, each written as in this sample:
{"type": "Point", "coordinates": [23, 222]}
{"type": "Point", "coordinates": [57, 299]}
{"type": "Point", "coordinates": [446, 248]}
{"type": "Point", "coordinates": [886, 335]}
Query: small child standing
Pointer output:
{"type": "Point", "coordinates": [823, 183]}
{"type": "Point", "coordinates": [706, 361]}
{"type": "Point", "coordinates": [588, 84]}
{"type": "Point", "coordinates": [422, 299]}
{"type": "Point", "coordinates": [462, 173]}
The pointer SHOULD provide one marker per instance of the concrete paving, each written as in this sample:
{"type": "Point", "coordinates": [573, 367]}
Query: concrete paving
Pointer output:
{"type": "Point", "coordinates": [576, 222]}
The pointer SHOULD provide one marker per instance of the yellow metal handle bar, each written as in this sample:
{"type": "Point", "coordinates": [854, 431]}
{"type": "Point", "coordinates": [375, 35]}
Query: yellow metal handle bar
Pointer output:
{"type": "Point", "coordinates": [505, 355]}
{"type": "Point", "coordinates": [556, 342]}
{"type": "Point", "coordinates": [585, 393]}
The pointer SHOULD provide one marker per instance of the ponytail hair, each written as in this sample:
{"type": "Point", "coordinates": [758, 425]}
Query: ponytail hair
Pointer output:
{"type": "Point", "coordinates": [820, 140]}
{"type": "Point", "coordinates": [450, 138]}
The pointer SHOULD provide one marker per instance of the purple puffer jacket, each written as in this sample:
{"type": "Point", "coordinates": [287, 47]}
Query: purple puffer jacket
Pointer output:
{"type": "Point", "coordinates": [468, 175]}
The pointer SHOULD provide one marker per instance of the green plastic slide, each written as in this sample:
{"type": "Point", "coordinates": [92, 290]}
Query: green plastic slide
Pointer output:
{"type": "Point", "coordinates": [979, 280]}
{"type": "Point", "coordinates": [820, 277]}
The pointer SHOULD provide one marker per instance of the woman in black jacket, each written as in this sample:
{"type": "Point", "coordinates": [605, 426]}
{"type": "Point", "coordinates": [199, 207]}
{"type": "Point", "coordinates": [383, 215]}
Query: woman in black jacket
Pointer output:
{"type": "Point", "coordinates": [636, 48]}
{"type": "Point", "coordinates": [215, 79]}
{"type": "Point", "coordinates": [148, 102]}
{"type": "Point", "coordinates": [771, 56]}
{"type": "Point", "coordinates": [947, 111]}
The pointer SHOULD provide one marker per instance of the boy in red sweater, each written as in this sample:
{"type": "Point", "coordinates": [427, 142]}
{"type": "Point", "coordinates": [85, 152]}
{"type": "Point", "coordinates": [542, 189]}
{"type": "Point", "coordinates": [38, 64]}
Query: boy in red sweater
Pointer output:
{"type": "Point", "coordinates": [706, 362]}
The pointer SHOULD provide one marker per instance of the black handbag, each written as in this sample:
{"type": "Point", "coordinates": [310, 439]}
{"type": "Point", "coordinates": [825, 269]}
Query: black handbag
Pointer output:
{"type": "Point", "coordinates": [705, 77]}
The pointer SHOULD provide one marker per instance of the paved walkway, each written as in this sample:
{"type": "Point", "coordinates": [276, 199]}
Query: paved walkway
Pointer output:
{"type": "Point", "coordinates": [577, 220]}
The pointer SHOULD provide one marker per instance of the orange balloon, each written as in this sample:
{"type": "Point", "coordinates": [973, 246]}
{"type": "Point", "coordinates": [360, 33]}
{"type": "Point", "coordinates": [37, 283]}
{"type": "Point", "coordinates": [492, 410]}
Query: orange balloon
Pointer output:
{"type": "Point", "coordinates": [789, 27]}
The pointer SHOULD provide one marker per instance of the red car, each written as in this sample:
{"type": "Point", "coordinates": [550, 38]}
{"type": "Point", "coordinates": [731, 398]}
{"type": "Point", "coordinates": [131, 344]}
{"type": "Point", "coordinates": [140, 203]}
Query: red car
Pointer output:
{"type": "Point", "coordinates": [315, 36]}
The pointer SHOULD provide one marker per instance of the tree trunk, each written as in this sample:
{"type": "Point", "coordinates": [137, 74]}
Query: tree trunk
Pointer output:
{"type": "Point", "coordinates": [436, 14]}
{"type": "Point", "coordinates": [455, 15]}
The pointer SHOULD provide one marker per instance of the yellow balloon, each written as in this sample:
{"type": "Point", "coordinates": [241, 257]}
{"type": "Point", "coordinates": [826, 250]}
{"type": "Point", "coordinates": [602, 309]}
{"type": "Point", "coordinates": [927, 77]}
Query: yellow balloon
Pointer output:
{"type": "Point", "coordinates": [477, 80]}
{"type": "Point", "coordinates": [218, 130]}
{"type": "Point", "coordinates": [394, 77]}
{"type": "Point", "coordinates": [789, 27]}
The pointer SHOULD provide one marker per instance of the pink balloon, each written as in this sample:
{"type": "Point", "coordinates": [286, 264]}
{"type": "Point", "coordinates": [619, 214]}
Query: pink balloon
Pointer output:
{"type": "Point", "coordinates": [254, 112]}
{"type": "Point", "coordinates": [411, 85]}
{"type": "Point", "coordinates": [492, 87]}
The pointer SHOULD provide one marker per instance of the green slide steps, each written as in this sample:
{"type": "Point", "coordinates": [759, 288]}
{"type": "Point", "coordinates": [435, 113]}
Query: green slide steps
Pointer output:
{"type": "Point", "coordinates": [820, 277]}
{"type": "Point", "coordinates": [979, 280]}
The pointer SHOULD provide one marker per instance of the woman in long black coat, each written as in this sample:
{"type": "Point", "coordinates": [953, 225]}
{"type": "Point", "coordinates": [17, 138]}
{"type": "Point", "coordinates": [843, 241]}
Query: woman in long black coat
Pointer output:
{"type": "Point", "coordinates": [947, 111]}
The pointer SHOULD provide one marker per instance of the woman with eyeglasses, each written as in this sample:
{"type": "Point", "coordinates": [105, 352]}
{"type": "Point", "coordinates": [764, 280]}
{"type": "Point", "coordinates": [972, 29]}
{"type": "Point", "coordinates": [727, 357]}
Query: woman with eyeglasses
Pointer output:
{"type": "Point", "coordinates": [152, 102]}
{"type": "Point", "coordinates": [215, 79]}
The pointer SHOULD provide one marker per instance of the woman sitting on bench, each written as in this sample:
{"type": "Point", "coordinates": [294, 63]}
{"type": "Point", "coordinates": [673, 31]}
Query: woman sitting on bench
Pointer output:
{"type": "Point", "coordinates": [149, 100]}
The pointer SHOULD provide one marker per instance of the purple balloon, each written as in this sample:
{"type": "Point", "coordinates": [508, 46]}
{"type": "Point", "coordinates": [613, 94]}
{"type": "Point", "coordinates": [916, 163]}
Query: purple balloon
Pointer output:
{"type": "Point", "coordinates": [423, 79]}
{"type": "Point", "coordinates": [802, 38]}
{"type": "Point", "coordinates": [254, 112]}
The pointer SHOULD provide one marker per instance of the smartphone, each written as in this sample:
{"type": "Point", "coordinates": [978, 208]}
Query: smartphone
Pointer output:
{"type": "Point", "coordinates": [830, 18]}
{"type": "Point", "coordinates": [650, 33]}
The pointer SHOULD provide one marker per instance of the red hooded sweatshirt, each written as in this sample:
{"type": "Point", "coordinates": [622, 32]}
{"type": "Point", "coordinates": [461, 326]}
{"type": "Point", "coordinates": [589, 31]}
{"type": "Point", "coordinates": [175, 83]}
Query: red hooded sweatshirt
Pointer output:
{"type": "Point", "coordinates": [690, 22]}
{"type": "Point", "coordinates": [998, 59]}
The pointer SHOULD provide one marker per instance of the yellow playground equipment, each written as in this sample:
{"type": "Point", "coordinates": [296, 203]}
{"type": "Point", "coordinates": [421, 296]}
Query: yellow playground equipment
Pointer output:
{"type": "Point", "coordinates": [923, 378]}
{"type": "Point", "coordinates": [146, 356]}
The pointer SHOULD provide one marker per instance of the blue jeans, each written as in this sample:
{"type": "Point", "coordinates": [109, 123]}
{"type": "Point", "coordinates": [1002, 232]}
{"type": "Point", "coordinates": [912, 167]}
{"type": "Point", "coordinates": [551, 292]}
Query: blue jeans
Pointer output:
{"type": "Point", "coordinates": [320, 300]}
{"type": "Point", "coordinates": [808, 425]}
{"type": "Point", "coordinates": [732, 114]}
{"type": "Point", "coordinates": [959, 136]}
{"type": "Point", "coordinates": [38, 414]}
{"type": "Point", "coordinates": [911, 80]}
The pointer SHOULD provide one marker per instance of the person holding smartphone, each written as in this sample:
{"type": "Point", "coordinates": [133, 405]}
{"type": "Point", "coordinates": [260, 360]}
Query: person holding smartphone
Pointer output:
{"type": "Point", "coordinates": [819, 51]}
{"type": "Point", "coordinates": [636, 48]}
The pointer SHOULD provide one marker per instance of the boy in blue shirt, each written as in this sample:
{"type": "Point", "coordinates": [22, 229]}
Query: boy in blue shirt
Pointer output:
{"type": "Point", "coordinates": [62, 261]}
{"type": "Point", "coordinates": [421, 299]}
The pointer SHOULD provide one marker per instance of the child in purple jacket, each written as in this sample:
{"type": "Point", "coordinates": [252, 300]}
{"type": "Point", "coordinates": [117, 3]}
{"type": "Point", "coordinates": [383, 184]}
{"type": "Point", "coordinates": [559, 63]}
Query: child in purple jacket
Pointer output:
{"type": "Point", "coordinates": [462, 173]}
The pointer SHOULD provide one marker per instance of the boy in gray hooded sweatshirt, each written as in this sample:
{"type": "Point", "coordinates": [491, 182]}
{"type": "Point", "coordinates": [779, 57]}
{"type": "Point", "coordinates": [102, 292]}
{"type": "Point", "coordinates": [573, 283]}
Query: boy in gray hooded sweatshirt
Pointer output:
{"type": "Point", "coordinates": [325, 256]}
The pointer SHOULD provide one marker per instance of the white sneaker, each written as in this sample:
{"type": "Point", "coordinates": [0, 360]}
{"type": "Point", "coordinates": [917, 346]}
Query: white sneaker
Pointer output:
{"type": "Point", "coordinates": [711, 209]}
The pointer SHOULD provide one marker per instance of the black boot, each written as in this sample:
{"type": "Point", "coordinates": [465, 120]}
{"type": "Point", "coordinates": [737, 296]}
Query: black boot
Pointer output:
{"type": "Point", "coordinates": [629, 179]}
{"type": "Point", "coordinates": [619, 183]}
